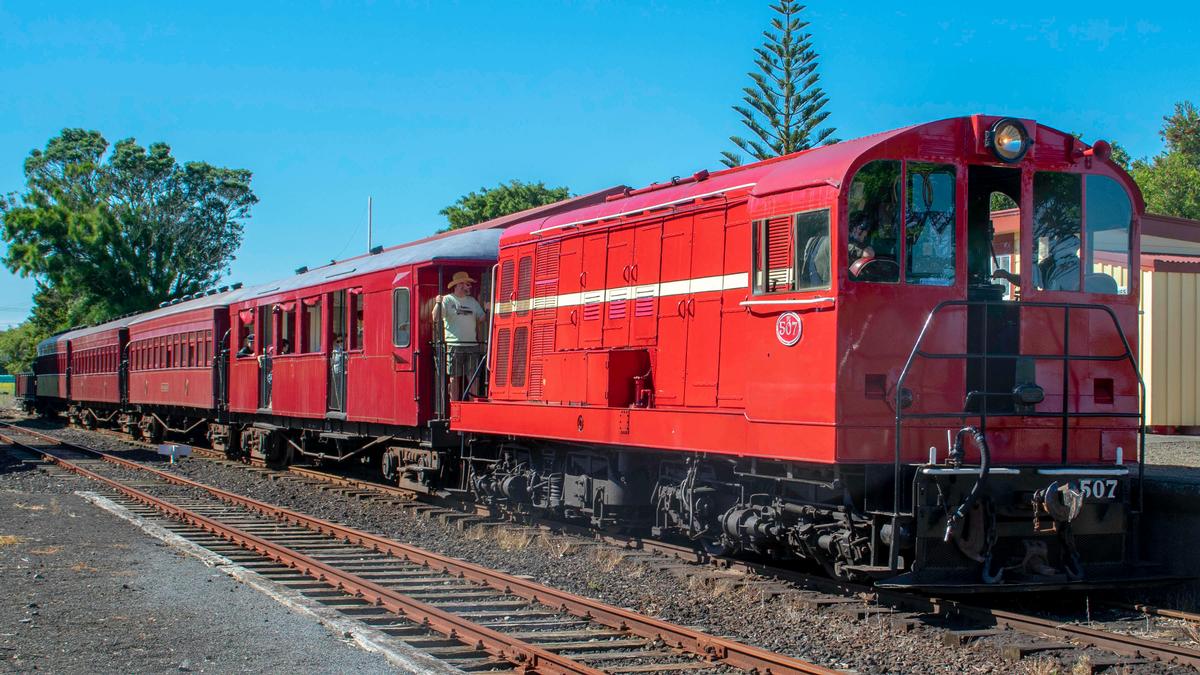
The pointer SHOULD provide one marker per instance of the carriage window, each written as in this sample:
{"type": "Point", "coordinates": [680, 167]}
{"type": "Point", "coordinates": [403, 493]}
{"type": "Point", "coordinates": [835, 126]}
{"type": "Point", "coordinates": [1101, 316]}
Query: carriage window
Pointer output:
{"type": "Point", "coordinates": [267, 318]}
{"type": "Point", "coordinates": [287, 327]}
{"type": "Point", "coordinates": [400, 318]}
{"type": "Point", "coordinates": [1057, 226]}
{"type": "Point", "coordinates": [356, 317]}
{"type": "Point", "coordinates": [874, 223]}
{"type": "Point", "coordinates": [245, 347]}
{"type": "Point", "coordinates": [929, 224]}
{"type": "Point", "coordinates": [337, 317]}
{"type": "Point", "coordinates": [1109, 220]}
{"type": "Point", "coordinates": [311, 330]}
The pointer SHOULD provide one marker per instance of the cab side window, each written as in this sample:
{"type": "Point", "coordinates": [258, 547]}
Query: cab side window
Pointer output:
{"type": "Point", "coordinates": [791, 253]}
{"type": "Point", "coordinates": [873, 244]}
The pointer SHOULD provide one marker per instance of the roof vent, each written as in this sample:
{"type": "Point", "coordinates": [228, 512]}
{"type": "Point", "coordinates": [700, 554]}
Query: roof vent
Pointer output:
{"type": "Point", "coordinates": [302, 269]}
{"type": "Point", "coordinates": [377, 250]}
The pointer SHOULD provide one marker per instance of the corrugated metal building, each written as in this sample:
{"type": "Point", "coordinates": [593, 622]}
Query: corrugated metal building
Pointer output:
{"type": "Point", "coordinates": [1169, 331]}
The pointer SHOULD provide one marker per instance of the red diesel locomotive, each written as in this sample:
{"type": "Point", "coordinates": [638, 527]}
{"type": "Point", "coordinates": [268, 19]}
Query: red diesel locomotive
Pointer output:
{"type": "Point", "coordinates": [819, 356]}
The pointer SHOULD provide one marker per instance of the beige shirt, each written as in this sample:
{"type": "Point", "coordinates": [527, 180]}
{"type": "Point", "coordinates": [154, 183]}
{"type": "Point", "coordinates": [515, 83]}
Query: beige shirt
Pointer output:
{"type": "Point", "coordinates": [460, 318]}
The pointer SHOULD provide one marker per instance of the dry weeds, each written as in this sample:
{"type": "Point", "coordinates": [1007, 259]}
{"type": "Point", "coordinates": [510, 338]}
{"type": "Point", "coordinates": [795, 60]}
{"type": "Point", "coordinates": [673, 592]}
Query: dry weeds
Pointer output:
{"type": "Point", "coordinates": [559, 547]}
{"type": "Point", "coordinates": [607, 559]}
{"type": "Point", "coordinates": [1192, 631]}
{"type": "Point", "coordinates": [9, 539]}
{"type": "Point", "coordinates": [513, 540]}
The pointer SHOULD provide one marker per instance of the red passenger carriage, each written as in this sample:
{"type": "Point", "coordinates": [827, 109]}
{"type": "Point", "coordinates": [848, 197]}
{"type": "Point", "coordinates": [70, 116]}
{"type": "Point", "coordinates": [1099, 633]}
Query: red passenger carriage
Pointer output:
{"type": "Point", "coordinates": [175, 369]}
{"type": "Point", "coordinates": [338, 361]}
{"type": "Point", "coordinates": [97, 372]}
{"type": "Point", "coordinates": [50, 369]}
{"type": "Point", "coordinates": [25, 391]}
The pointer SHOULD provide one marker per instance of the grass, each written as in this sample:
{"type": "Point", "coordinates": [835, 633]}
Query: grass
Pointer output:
{"type": "Point", "coordinates": [9, 539]}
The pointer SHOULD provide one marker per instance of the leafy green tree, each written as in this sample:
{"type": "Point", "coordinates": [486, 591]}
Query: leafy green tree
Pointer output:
{"type": "Point", "coordinates": [1170, 181]}
{"type": "Point", "coordinates": [505, 198]}
{"type": "Point", "coordinates": [106, 233]}
{"type": "Point", "coordinates": [18, 347]}
{"type": "Point", "coordinates": [783, 104]}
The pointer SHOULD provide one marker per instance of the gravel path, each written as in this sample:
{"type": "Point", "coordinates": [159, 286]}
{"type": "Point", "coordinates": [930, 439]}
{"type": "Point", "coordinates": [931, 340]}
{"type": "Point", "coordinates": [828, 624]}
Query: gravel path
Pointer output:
{"type": "Point", "coordinates": [85, 592]}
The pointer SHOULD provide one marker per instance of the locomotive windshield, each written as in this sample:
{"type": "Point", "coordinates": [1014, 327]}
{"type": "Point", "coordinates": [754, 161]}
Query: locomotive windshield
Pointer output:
{"type": "Point", "coordinates": [1058, 230]}
{"type": "Point", "coordinates": [1068, 253]}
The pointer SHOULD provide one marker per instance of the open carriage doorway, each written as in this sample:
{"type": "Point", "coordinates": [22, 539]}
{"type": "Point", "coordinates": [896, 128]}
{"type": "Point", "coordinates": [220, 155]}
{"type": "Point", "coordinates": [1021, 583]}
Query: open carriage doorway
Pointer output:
{"type": "Point", "coordinates": [459, 364]}
{"type": "Point", "coordinates": [266, 319]}
{"type": "Point", "coordinates": [338, 361]}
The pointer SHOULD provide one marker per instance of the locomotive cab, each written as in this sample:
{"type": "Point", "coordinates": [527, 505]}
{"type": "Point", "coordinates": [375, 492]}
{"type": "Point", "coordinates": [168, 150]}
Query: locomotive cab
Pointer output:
{"type": "Point", "coordinates": [1020, 357]}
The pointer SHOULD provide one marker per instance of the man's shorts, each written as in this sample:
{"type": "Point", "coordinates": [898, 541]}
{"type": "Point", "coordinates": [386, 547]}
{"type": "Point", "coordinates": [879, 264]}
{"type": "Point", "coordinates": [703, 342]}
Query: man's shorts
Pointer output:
{"type": "Point", "coordinates": [462, 360]}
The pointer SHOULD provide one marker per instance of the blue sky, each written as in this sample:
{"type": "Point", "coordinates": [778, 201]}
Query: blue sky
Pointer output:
{"type": "Point", "coordinates": [416, 103]}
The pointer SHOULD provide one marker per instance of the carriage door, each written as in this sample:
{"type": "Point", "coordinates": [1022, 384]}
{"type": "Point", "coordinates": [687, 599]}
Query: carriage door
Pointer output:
{"type": "Point", "coordinates": [336, 391]}
{"type": "Point", "coordinates": [266, 319]}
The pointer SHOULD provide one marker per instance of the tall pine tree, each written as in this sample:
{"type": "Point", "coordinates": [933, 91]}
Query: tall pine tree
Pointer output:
{"type": "Point", "coordinates": [783, 106]}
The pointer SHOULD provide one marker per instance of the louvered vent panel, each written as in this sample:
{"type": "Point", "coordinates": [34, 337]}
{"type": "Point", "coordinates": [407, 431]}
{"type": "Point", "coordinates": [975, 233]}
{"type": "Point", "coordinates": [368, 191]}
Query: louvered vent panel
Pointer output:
{"type": "Point", "coordinates": [543, 344]}
{"type": "Point", "coordinates": [780, 254]}
{"type": "Point", "coordinates": [547, 260]}
{"type": "Point", "coordinates": [545, 298]}
{"type": "Point", "coordinates": [520, 355]}
{"type": "Point", "coordinates": [524, 285]}
{"type": "Point", "coordinates": [592, 302]}
{"type": "Point", "coordinates": [503, 344]}
{"type": "Point", "coordinates": [506, 281]}
{"type": "Point", "coordinates": [643, 303]}
{"type": "Point", "coordinates": [618, 305]}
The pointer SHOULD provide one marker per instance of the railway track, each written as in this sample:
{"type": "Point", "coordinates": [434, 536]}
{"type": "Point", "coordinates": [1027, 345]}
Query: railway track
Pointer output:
{"type": "Point", "coordinates": [470, 616]}
{"type": "Point", "coordinates": [967, 622]}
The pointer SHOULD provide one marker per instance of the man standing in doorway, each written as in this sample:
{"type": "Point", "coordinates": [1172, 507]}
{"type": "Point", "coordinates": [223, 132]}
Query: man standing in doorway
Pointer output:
{"type": "Point", "coordinates": [462, 325]}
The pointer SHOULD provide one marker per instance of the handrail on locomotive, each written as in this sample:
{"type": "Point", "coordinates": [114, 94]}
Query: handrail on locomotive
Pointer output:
{"type": "Point", "coordinates": [902, 398]}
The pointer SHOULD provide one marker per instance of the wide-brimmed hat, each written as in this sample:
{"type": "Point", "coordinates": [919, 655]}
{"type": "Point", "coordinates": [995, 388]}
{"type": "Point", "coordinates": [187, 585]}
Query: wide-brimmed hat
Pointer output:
{"type": "Point", "coordinates": [460, 278]}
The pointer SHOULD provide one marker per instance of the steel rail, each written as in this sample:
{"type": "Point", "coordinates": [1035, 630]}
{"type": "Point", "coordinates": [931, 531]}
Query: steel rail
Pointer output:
{"type": "Point", "coordinates": [727, 651]}
{"type": "Point", "coordinates": [1154, 610]}
{"type": "Point", "coordinates": [493, 642]}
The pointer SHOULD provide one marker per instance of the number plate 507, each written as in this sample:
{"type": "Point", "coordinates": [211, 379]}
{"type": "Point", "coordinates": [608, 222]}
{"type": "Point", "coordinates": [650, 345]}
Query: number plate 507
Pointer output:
{"type": "Point", "coordinates": [1099, 488]}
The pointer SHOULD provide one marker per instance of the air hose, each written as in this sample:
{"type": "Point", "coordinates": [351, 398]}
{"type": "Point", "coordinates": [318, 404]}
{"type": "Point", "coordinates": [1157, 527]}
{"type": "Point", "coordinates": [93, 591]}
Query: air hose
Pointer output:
{"type": "Point", "coordinates": [985, 465]}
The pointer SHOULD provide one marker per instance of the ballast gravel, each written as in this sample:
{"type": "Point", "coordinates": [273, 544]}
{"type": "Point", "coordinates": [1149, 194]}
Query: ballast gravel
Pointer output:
{"type": "Point", "coordinates": [86, 592]}
{"type": "Point", "coordinates": [574, 564]}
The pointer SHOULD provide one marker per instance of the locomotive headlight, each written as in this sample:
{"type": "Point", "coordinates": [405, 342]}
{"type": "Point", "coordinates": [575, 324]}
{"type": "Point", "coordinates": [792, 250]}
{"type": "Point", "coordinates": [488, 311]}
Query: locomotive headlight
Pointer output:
{"type": "Point", "coordinates": [1008, 140]}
